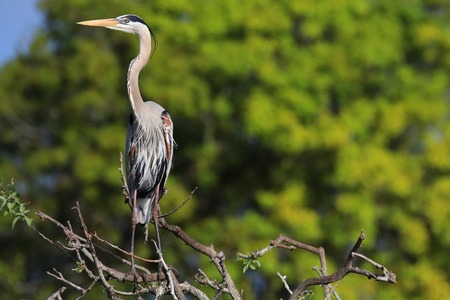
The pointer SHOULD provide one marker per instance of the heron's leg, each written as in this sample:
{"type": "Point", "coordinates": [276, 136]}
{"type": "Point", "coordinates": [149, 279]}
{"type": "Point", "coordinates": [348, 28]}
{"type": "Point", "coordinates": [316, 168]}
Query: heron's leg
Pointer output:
{"type": "Point", "coordinates": [156, 216]}
{"type": "Point", "coordinates": [133, 229]}
{"type": "Point", "coordinates": [155, 220]}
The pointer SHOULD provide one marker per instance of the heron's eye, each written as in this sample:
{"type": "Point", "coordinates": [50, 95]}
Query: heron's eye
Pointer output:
{"type": "Point", "coordinates": [127, 20]}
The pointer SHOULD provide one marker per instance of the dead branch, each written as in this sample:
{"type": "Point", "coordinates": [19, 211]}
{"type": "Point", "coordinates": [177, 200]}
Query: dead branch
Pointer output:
{"type": "Point", "coordinates": [125, 190]}
{"type": "Point", "coordinates": [388, 276]}
{"type": "Point", "coordinates": [60, 277]}
{"type": "Point", "coordinates": [332, 289]}
{"type": "Point", "coordinates": [283, 279]}
{"type": "Point", "coordinates": [285, 242]}
{"type": "Point", "coordinates": [57, 295]}
{"type": "Point", "coordinates": [175, 289]}
{"type": "Point", "coordinates": [181, 205]}
{"type": "Point", "coordinates": [75, 244]}
{"type": "Point", "coordinates": [217, 258]}
{"type": "Point", "coordinates": [81, 249]}
{"type": "Point", "coordinates": [121, 250]}
{"type": "Point", "coordinates": [324, 280]}
{"type": "Point", "coordinates": [340, 274]}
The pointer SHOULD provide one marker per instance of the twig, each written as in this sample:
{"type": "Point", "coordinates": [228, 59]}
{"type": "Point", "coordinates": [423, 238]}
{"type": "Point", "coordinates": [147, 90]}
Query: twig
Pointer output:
{"type": "Point", "coordinates": [121, 250]}
{"type": "Point", "coordinates": [87, 290]}
{"type": "Point", "coordinates": [283, 279]}
{"type": "Point", "coordinates": [67, 230]}
{"type": "Point", "coordinates": [181, 205]}
{"type": "Point", "coordinates": [60, 277]}
{"type": "Point", "coordinates": [168, 272]}
{"type": "Point", "coordinates": [283, 242]}
{"type": "Point", "coordinates": [202, 278]}
{"type": "Point", "coordinates": [355, 248]}
{"type": "Point", "coordinates": [332, 289]}
{"type": "Point", "coordinates": [57, 295]}
{"type": "Point", "coordinates": [125, 190]}
{"type": "Point", "coordinates": [58, 246]}
{"type": "Point", "coordinates": [174, 285]}
{"type": "Point", "coordinates": [187, 288]}
{"type": "Point", "coordinates": [218, 294]}
{"type": "Point", "coordinates": [146, 234]}
{"type": "Point", "coordinates": [388, 275]}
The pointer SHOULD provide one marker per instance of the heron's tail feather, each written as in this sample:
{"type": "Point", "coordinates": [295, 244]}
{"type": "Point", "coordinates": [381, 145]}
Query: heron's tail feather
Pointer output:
{"type": "Point", "coordinates": [143, 210]}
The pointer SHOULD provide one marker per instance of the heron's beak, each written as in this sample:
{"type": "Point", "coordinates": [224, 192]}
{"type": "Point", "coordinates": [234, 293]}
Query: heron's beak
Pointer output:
{"type": "Point", "coordinates": [101, 22]}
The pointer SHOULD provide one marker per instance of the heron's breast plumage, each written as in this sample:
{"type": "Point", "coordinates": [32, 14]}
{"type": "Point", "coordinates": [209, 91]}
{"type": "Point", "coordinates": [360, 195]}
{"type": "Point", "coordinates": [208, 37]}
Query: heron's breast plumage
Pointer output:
{"type": "Point", "coordinates": [149, 155]}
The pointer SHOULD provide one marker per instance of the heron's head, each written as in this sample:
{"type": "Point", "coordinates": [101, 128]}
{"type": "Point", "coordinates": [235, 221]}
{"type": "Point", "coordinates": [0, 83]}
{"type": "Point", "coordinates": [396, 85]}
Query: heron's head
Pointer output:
{"type": "Point", "coordinates": [127, 23]}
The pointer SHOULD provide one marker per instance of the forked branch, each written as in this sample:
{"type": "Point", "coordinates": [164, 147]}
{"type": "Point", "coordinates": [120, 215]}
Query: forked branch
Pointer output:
{"type": "Point", "coordinates": [324, 280]}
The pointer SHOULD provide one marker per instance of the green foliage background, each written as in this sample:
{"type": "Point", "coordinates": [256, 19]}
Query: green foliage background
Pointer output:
{"type": "Point", "coordinates": [314, 119]}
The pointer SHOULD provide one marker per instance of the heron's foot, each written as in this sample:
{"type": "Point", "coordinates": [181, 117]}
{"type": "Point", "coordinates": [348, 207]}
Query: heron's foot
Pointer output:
{"type": "Point", "coordinates": [134, 276]}
{"type": "Point", "coordinates": [159, 272]}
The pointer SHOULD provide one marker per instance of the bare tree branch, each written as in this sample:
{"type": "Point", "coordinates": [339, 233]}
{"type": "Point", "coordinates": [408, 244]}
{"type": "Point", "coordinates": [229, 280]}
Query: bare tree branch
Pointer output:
{"type": "Point", "coordinates": [388, 275]}
{"type": "Point", "coordinates": [286, 285]}
{"type": "Point", "coordinates": [57, 295]}
{"type": "Point", "coordinates": [324, 280]}
{"type": "Point", "coordinates": [125, 190]}
{"type": "Point", "coordinates": [85, 248]}
{"type": "Point", "coordinates": [332, 289]}
{"type": "Point", "coordinates": [217, 258]}
{"type": "Point", "coordinates": [181, 205]}
{"type": "Point", "coordinates": [82, 250]}
{"type": "Point", "coordinates": [60, 277]}
{"type": "Point", "coordinates": [348, 268]}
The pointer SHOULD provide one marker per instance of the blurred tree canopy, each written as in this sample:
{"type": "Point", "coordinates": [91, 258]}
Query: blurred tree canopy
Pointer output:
{"type": "Point", "coordinates": [314, 119]}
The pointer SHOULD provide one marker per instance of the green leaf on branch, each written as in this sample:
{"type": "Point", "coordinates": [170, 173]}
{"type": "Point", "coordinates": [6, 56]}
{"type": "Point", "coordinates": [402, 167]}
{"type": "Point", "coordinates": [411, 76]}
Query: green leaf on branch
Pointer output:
{"type": "Point", "coordinates": [14, 206]}
{"type": "Point", "coordinates": [249, 263]}
{"type": "Point", "coordinates": [80, 267]}
{"type": "Point", "coordinates": [307, 296]}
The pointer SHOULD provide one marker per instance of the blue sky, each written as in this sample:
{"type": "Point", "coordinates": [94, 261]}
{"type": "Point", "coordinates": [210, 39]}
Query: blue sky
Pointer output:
{"type": "Point", "coordinates": [20, 19]}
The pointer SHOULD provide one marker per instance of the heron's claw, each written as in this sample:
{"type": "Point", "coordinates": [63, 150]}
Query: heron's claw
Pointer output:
{"type": "Point", "coordinates": [159, 272]}
{"type": "Point", "coordinates": [135, 275]}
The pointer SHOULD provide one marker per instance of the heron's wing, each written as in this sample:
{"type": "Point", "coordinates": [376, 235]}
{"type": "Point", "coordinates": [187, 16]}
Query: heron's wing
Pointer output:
{"type": "Point", "coordinates": [144, 167]}
{"type": "Point", "coordinates": [130, 153]}
{"type": "Point", "coordinates": [149, 160]}
{"type": "Point", "coordinates": [168, 138]}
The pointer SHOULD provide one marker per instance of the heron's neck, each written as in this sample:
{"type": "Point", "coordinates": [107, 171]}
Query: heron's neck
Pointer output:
{"type": "Point", "coordinates": [135, 67]}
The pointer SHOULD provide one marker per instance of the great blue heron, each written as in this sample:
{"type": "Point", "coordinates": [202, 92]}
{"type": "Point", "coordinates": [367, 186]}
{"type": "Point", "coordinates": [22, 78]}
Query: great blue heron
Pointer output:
{"type": "Point", "coordinates": [149, 143]}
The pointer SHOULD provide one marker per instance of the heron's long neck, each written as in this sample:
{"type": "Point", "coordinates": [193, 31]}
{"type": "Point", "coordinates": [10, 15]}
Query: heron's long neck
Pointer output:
{"type": "Point", "coordinates": [135, 67]}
